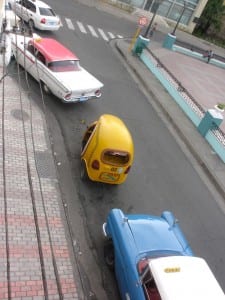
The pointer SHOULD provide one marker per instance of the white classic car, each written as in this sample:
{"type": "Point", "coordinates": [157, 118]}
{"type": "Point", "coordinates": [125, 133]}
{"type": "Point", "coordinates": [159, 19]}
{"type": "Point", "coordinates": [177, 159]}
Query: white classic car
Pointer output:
{"type": "Point", "coordinates": [56, 67]}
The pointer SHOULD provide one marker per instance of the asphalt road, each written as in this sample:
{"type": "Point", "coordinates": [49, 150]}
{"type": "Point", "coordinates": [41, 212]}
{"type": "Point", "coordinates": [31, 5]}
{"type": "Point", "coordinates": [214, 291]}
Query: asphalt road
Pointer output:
{"type": "Point", "coordinates": [162, 178]}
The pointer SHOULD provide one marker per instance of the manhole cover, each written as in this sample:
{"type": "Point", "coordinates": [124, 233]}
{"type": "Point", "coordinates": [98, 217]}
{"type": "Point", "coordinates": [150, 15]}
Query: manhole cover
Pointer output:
{"type": "Point", "coordinates": [20, 114]}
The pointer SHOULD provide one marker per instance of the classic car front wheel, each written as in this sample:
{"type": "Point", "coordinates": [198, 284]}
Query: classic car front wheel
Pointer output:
{"type": "Point", "coordinates": [109, 254]}
{"type": "Point", "coordinates": [46, 88]}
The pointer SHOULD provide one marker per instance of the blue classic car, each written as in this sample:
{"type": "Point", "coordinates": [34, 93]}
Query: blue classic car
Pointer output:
{"type": "Point", "coordinates": [153, 260]}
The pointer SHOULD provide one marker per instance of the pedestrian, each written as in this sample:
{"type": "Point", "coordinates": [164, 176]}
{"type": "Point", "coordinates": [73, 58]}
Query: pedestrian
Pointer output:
{"type": "Point", "coordinates": [208, 55]}
{"type": "Point", "coordinates": [153, 29]}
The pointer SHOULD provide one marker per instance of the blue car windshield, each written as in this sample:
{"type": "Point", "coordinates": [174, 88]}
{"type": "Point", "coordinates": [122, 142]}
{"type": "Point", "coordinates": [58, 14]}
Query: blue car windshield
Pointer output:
{"type": "Point", "coordinates": [143, 262]}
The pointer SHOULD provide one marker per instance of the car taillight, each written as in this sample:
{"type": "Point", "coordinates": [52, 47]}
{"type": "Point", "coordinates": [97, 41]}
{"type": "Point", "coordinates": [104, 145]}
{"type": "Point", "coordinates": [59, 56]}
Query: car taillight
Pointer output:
{"type": "Point", "coordinates": [43, 20]}
{"type": "Point", "coordinates": [68, 96]}
{"type": "Point", "coordinates": [95, 164]}
{"type": "Point", "coordinates": [98, 93]}
{"type": "Point", "coordinates": [127, 170]}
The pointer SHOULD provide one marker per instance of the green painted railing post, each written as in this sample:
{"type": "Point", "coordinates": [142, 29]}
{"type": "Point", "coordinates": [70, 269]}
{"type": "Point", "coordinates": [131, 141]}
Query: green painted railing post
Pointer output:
{"type": "Point", "coordinates": [169, 41]}
{"type": "Point", "coordinates": [139, 45]}
{"type": "Point", "coordinates": [211, 120]}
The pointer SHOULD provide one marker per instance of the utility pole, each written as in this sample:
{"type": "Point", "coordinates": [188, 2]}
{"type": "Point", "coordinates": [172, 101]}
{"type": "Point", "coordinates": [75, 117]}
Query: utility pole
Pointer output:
{"type": "Point", "coordinates": [178, 21]}
{"type": "Point", "coordinates": [153, 17]}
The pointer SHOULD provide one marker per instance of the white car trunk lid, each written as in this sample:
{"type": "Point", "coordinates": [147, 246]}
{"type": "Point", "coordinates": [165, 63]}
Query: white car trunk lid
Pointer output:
{"type": "Point", "coordinates": [81, 79]}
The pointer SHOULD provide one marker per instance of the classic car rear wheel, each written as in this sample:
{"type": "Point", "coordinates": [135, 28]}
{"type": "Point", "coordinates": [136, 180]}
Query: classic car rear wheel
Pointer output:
{"type": "Point", "coordinates": [109, 254]}
{"type": "Point", "coordinates": [83, 171]}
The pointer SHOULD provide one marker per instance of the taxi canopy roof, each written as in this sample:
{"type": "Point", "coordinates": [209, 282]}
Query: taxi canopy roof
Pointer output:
{"type": "Point", "coordinates": [53, 50]}
{"type": "Point", "coordinates": [114, 134]}
{"type": "Point", "coordinates": [185, 277]}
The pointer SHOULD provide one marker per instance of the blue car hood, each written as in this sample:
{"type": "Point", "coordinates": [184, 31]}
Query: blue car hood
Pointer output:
{"type": "Point", "coordinates": [154, 234]}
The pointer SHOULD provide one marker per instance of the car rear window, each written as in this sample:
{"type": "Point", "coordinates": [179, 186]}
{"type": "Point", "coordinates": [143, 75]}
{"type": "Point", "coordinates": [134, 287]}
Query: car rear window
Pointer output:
{"type": "Point", "coordinates": [64, 66]}
{"type": "Point", "coordinates": [46, 11]}
{"type": "Point", "coordinates": [115, 157]}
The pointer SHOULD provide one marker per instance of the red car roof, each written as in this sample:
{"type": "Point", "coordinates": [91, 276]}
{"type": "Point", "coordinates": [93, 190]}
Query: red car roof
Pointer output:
{"type": "Point", "coordinates": [53, 50]}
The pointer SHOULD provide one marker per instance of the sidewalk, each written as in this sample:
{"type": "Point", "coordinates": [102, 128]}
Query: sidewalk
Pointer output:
{"type": "Point", "coordinates": [34, 252]}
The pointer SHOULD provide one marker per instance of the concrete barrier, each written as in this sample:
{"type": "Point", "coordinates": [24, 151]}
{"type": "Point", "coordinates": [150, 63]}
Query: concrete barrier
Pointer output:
{"type": "Point", "coordinates": [198, 55]}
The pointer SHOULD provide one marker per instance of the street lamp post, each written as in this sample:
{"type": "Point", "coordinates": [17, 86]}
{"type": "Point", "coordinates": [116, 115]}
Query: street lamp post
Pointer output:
{"type": "Point", "coordinates": [150, 24]}
{"type": "Point", "coordinates": [152, 19]}
{"type": "Point", "coordinates": [181, 15]}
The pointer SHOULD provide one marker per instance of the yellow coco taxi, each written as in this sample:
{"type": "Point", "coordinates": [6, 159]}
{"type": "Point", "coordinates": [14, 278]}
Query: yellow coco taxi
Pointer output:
{"type": "Point", "coordinates": [107, 151]}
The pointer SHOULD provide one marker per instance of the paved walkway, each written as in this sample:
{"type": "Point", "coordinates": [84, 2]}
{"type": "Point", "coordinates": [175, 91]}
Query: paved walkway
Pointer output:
{"type": "Point", "coordinates": [34, 253]}
{"type": "Point", "coordinates": [205, 82]}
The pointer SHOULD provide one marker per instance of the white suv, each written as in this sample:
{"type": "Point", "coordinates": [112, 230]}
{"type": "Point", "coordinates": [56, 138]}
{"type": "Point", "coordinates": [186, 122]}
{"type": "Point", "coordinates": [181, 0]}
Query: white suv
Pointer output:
{"type": "Point", "coordinates": [37, 14]}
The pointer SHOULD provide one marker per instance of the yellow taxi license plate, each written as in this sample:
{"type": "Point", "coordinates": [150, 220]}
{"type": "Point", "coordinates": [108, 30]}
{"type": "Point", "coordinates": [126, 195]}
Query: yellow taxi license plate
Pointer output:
{"type": "Point", "coordinates": [109, 176]}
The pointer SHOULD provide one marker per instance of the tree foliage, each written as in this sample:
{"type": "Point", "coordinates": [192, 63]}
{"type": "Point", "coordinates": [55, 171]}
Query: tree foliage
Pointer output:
{"type": "Point", "coordinates": [212, 16]}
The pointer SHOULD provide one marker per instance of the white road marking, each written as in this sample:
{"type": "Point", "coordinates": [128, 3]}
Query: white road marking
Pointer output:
{"type": "Point", "coordinates": [81, 27]}
{"type": "Point", "coordinates": [103, 34]}
{"type": "Point", "coordinates": [112, 36]}
{"type": "Point", "coordinates": [69, 24]}
{"type": "Point", "coordinates": [93, 32]}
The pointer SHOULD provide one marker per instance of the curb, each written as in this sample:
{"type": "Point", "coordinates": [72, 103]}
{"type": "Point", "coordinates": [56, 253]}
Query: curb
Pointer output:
{"type": "Point", "coordinates": [121, 5]}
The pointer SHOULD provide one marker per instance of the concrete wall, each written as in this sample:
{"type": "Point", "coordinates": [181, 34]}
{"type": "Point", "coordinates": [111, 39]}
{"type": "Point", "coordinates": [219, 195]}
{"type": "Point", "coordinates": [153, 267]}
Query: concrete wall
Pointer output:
{"type": "Point", "coordinates": [5, 40]}
{"type": "Point", "coordinates": [123, 4]}
{"type": "Point", "coordinates": [2, 7]}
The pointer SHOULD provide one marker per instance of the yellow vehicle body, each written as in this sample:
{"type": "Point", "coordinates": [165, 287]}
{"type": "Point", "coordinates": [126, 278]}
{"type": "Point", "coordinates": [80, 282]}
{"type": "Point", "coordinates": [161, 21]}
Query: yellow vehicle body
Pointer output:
{"type": "Point", "coordinates": [107, 151]}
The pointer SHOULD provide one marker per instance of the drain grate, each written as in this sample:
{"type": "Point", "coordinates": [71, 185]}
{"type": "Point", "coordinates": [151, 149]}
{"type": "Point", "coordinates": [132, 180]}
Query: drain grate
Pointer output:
{"type": "Point", "coordinates": [45, 165]}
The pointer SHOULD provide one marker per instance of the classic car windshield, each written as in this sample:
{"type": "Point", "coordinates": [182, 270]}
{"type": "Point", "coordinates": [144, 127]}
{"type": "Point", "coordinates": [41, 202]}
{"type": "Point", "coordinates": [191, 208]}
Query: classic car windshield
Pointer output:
{"type": "Point", "coordinates": [143, 263]}
{"type": "Point", "coordinates": [64, 66]}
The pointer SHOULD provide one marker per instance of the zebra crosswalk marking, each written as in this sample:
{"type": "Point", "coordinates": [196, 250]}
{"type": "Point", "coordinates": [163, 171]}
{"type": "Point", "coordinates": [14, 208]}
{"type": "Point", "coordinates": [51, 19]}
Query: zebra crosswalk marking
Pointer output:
{"type": "Point", "coordinates": [93, 32]}
{"type": "Point", "coordinates": [69, 24]}
{"type": "Point", "coordinates": [103, 34]}
{"type": "Point", "coordinates": [81, 27]}
{"type": "Point", "coordinates": [111, 35]}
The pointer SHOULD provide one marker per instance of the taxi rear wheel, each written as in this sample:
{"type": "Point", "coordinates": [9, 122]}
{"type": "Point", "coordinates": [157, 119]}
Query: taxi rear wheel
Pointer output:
{"type": "Point", "coordinates": [83, 171]}
{"type": "Point", "coordinates": [109, 254]}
